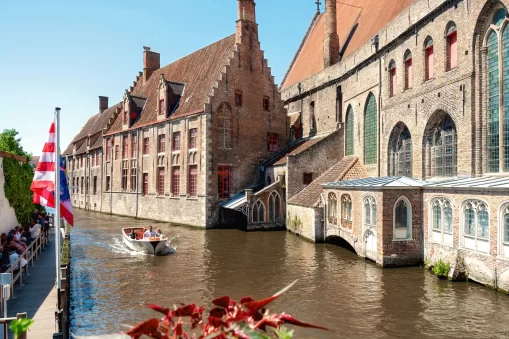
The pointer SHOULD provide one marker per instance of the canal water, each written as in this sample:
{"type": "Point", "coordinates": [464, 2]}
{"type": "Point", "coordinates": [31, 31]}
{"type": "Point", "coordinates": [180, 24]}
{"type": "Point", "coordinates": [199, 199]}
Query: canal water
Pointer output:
{"type": "Point", "coordinates": [335, 288]}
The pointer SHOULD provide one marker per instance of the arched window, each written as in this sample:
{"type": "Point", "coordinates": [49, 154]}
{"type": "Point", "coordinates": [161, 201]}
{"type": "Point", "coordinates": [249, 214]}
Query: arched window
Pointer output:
{"type": "Point", "coordinates": [400, 151]}
{"type": "Point", "coordinates": [440, 147]}
{"type": "Point", "coordinates": [369, 212]}
{"type": "Point", "coordinates": [441, 221]}
{"type": "Point", "coordinates": [504, 230]}
{"type": "Point", "coordinates": [346, 211]}
{"type": "Point", "coordinates": [274, 207]}
{"type": "Point", "coordinates": [349, 131]}
{"type": "Point", "coordinates": [402, 219]}
{"type": "Point", "coordinates": [370, 131]}
{"type": "Point", "coordinates": [333, 209]}
{"type": "Point", "coordinates": [258, 212]}
{"type": "Point", "coordinates": [392, 78]}
{"type": "Point", "coordinates": [476, 226]}
{"type": "Point", "coordinates": [429, 59]}
{"type": "Point", "coordinates": [224, 126]}
{"type": "Point", "coordinates": [407, 59]}
{"type": "Point", "coordinates": [451, 52]}
{"type": "Point", "coordinates": [497, 59]}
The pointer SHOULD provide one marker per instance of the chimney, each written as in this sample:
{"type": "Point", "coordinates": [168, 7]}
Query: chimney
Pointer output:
{"type": "Point", "coordinates": [151, 63]}
{"type": "Point", "coordinates": [246, 23]}
{"type": "Point", "coordinates": [331, 39]}
{"type": "Point", "coordinates": [103, 104]}
{"type": "Point", "coordinates": [247, 10]}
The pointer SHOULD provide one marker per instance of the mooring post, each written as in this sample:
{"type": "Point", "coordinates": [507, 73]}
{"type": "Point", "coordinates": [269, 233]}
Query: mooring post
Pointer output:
{"type": "Point", "coordinates": [22, 316]}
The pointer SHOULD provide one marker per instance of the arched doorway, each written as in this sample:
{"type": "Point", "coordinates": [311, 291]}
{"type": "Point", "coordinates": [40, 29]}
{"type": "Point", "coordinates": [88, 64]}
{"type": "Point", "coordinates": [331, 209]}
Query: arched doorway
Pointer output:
{"type": "Point", "coordinates": [400, 151]}
{"type": "Point", "coordinates": [370, 245]}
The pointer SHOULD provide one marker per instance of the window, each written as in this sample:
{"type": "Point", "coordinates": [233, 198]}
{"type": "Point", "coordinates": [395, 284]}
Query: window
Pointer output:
{"type": "Point", "coordinates": [346, 211]}
{"type": "Point", "coordinates": [408, 69]}
{"type": "Point", "coordinates": [476, 232]}
{"type": "Point", "coordinates": [429, 59]}
{"type": "Point", "coordinates": [504, 231]}
{"type": "Point", "coordinates": [238, 98]}
{"type": "Point", "coordinates": [176, 141]}
{"type": "Point", "coordinates": [145, 184]}
{"type": "Point", "coordinates": [333, 209]}
{"type": "Point", "coordinates": [162, 108]}
{"type": "Point", "coordinates": [108, 183]}
{"type": "Point", "coordinates": [95, 186]}
{"type": "Point", "coordinates": [134, 146]}
{"type": "Point", "coordinates": [81, 187]}
{"type": "Point", "coordinates": [160, 181]}
{"type": "Point", "coordinates": [392, 78]}
{"type": "Point", "coordinates": [497, 68]}
{"type": "Point", "coordinates": [87, 186]}
{"type": "Point", "coordinates": [224, 126]}
{"type": "Point", "coordinates": [349, 149]}
{"type": "Point", "coordinates": [274, 207]}
{"type": "Point", "coordinates": [175, 181]}
{"type": "Point", "coordinates": [224, 181]}
{"type": "Point", "coordinates": [441, 221]}
{"type": "Point", "coordinates": [146, 145]}
{"type": "Point", "coordinates": [266, 103]}
{"type": "Point", "coordinates": [307, 178]}
{"type": "Point", "coordinates": [272, 142]}
{"type": "Point", "coordinates": [161, 143]}
{"type": "Point", "coordinates": [402, 219]}
{"type": "Point", "coordinates": [297, 131]}
{"type": "Point", "coordinates": [312, 116]}
{"type": "Point", "coordinates": [73, 184]}
{"type": "Point", "coordinates": [444, 149]}
{"type": "Point", "coordinates": [125, 169]}
{"type": "Point", "coordinates": [452, 46]}
{"type": "Point", "coordinates": [125, 146]}
{"type": "Point", "coordinates": [258, 212]}
{"type": "Point", "coordinates": [117, 151]}
{"type": "Point", "coordinates": [370, 131]}
{"type": "Point", "coordinates": [134, 176]}
{"type": "Point", "coordinates": [369, 212]}
{"type": "Point", "coordinates": [193, 135]}
{"type": "Point", "coordinates": [400, 151]}
{"type": "Point", "coordinates": [193, 181]}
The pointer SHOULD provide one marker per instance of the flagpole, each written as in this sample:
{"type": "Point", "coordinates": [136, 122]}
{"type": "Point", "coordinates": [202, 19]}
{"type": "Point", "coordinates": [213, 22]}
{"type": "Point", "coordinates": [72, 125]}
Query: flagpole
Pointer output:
{"type": "Point", "coordinates": [57, 195]}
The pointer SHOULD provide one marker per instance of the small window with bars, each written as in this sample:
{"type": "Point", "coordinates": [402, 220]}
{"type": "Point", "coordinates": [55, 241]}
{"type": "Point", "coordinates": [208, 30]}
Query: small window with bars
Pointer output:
{"type": "Point", "coordinates": [224, 181]}
{"type": "Point", "coordinates": [193, 136]}
{"type": "Point", "coordinates": [193, 181]}
{"type": "Point", "coordinates": [134, 146]}
{"type": "Point", "coordinates": [146, 146]}
{"type": "Point", "coordinates": [145, 184]}
{"type": "Point", "coordinates": [176, 141]}
{"type": "Point", "coordinates": [108, 183]}
{"type": "Point", "coordinates": [160, 181]}
{"type": "Point", "coordinates": [125, 171]}
{"type": "Point", "coordinates": [272, 142]}
{"type": "Point", "coordinates": [175, 181]}
{"type": "Point", "coordinates": [161, 143]}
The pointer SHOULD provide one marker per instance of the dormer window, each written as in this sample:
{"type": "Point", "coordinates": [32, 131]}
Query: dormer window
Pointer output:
{"type": "Point", "coordinates": [266, 104]}
{"type": "Point", "coordinates": [162, 107]}
{"type": "Point", "coordinates": [238, 98]}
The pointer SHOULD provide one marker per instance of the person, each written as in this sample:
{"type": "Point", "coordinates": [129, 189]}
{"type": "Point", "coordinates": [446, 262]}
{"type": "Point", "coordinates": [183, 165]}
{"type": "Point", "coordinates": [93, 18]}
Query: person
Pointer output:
{"type": "Point", "coordinates": [159, 233]}
{"type": "Point", "coordinates": [149, 233]}
{"type": "Point", "coordinates": [13, 257]}
{"type": "Point", "coordinates": [35, 229]}
{"type": "Point", "coordinates": [132, 235]}
{"type": "Point", "coordinates": [45, 224]}
{"type": "Point", "coordinates": [15, 236]}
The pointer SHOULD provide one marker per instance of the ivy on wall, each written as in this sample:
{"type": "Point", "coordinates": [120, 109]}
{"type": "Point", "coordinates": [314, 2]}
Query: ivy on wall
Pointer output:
{"type": "Point", "coordinates": [18, 179]}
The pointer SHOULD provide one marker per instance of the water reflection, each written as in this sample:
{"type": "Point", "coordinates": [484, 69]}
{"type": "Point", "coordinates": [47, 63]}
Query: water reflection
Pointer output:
{"type": "Point", "coordinates": [336, 289]}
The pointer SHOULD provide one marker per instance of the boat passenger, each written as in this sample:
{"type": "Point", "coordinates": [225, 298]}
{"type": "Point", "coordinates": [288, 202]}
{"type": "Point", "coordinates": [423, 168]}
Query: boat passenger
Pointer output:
{"type": "Point", "coordinates": [149, 233]}
{"type": "Point", "coordinates": [159, 233]}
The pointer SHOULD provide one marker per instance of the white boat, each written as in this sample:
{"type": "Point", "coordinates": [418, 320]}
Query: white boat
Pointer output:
{"type": "Point", "coordinates": [152, 245]}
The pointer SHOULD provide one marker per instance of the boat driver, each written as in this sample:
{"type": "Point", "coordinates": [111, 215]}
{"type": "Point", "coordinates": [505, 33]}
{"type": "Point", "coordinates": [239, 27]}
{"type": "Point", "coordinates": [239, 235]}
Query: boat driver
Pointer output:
{"type": "Point", "coordinates": [149, 233]}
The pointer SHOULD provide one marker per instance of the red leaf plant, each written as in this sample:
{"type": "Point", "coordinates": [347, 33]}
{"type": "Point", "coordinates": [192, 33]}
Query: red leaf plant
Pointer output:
{"type": "Point", "coordinates": [228, 319]}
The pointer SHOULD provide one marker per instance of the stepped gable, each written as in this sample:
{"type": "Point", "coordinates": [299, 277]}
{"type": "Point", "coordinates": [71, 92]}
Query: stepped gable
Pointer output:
{"type": "Point", "coordinates": [348, 168]}
{"type": "Point", "coordinates": [357, 22]}
{"type": "Point", "coordinates": [199, 72]}
{"type": "Point", "coordinates": [303, 146]}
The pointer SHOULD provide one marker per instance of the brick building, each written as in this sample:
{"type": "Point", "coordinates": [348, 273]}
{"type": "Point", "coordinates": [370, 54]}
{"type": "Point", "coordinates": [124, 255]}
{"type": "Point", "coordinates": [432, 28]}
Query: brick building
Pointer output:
{"type": "Point", "coordinates": [186, 137]}
{"type": "Point", "coordinates": [414, 90]}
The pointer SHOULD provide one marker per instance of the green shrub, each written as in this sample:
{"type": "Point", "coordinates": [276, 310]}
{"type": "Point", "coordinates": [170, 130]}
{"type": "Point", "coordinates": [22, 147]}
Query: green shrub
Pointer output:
{"type": "Point", "coordinates": [441, 269]}
{"type": "Point", "coordinates": [66, 252]}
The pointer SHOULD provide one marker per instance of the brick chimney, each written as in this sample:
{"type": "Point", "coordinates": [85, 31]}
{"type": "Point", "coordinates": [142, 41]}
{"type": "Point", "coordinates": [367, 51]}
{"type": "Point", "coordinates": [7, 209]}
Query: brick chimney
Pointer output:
{"type": "Point", "coordinates": [331, 39]}
{"type": "Point", "coordinates": [103, 104]}
{"type": "Point", "coordinates": [247, 10]}
{"type": "Point", "coordinates": [151, 63]}
{"type": "Point", "coordinates": [246, 23]}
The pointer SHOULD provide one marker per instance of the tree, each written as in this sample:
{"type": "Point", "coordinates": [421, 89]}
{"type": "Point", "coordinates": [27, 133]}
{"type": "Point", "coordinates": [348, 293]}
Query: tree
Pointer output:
{"type": "Point", "coordinates": [10, 142]}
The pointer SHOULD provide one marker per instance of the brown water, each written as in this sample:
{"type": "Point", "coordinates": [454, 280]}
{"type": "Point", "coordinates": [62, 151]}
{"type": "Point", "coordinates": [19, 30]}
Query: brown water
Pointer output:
{"type": "Point", "coordinates": [336, 289]}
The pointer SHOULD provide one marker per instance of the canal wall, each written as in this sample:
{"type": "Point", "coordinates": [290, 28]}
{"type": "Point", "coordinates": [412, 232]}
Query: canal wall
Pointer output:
{"type": "Point", "coordinates": [8, 219]}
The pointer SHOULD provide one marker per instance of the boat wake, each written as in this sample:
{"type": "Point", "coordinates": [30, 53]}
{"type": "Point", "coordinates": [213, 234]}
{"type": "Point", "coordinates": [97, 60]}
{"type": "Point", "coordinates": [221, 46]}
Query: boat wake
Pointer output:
{"type": "Point", "coordinates": [118, 246]}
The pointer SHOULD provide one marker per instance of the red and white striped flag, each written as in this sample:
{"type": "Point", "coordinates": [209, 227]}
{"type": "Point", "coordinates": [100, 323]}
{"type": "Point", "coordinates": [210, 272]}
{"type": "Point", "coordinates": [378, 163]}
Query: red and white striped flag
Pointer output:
{"type": "Point", "coordinates": [43, 184]}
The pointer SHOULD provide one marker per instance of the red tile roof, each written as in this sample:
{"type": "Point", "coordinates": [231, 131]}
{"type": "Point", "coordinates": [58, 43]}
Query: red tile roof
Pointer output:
{"type": "Point", "coordinates": [198, 71]}
{"type": "Point", "coordinates": [347, 168]}
{"type": "Point", "coordinates": [369, 15]}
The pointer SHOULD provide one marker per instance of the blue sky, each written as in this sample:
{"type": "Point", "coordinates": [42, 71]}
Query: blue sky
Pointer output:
{"type": "Point", "coordinates": [67, 53]}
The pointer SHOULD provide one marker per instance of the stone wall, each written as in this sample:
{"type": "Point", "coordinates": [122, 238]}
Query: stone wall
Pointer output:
{"type": "Point", "coordinates": [305, 222]}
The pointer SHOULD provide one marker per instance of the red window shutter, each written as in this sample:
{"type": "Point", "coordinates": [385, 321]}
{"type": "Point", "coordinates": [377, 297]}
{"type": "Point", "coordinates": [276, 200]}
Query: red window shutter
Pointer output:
{"type": "Point", "coordinates": [224, 181]}
{"type": "Point", "coordinates": [453, 50]}
{"type": "Point", "coordinates": [430, 64]}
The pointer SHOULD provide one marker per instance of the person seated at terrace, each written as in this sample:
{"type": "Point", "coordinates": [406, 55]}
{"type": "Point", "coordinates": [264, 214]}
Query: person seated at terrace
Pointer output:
{"type": "Point", "coordinates": [16, 238]}
{"type": "Point", "coordinates": [26, 237]}
{"type": "Point", "coordinates": [149, 233]}
{"type": "Point", "coordinates": [35, 229]}
{"type": "Point", "coordinates": [13, 257]}
{"type": "Point", "coordinates": [11, 244]}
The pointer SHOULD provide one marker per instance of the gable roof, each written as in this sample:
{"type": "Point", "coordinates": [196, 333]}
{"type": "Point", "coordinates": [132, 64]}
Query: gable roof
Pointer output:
{"type": "Point", "coordinates": [198, 71]}
{"type": "Point", "coordinates": [357, 22]}
{"type": "Point", "coordinates": [309, 196]}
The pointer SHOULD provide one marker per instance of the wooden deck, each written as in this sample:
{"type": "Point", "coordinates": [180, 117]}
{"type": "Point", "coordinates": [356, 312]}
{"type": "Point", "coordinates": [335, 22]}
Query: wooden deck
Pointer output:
{"type": "Point", "coordinates": [38, 295]}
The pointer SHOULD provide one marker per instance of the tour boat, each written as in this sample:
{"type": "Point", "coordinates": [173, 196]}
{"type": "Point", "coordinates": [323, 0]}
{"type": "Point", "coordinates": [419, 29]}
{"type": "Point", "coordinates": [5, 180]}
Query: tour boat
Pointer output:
{"type": "Point", "coordinates": [152, 245]}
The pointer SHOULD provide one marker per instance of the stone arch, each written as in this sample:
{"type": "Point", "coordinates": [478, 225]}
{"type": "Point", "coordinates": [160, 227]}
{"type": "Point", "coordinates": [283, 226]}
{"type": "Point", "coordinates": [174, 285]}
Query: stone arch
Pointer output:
{"type": "Point", "coordinates": [274, 207]}
{"type": "Point", "coordinates": [399, 152]}
{"type": "Point", "coordinates": [440, 146]}
{"type": "Point", "coordinates": [345, 242]}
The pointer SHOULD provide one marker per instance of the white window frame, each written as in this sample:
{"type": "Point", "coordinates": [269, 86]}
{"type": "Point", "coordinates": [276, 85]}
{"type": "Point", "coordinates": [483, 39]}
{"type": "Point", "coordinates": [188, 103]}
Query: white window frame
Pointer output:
{"type": "Point", "coordinates": [409, 225]}
{"type": "Point", "coordinates": [350, 218]}
{"type": "Point", "coordinates": [372, 203]}
{"type": "Point", "coordinates": [503, 248]}
{"type": "Point", "coordinates": [332, 212]}
{"type": "Point", "coordinates": [474, 242]}
{"type": "Point", "coordinates": [440, 235]}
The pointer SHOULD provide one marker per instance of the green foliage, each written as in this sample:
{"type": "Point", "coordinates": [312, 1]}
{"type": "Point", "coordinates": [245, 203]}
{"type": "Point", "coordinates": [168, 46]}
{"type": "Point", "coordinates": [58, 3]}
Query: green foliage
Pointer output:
{"type": "Point", "coordinates": [427, 264]}
{"type": "Point", "coordinates": [441, 269]}
{"type": "Point", "coordinates": [10, 142]}
{"type": "Point", "coordinates": [66, 252]}
{"type": "Point", "coordinates": [18, 179]}
{"type": "Point", "coordinates": [284, 333]}
{"type": "Point", "coordinates": [20, 326]}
